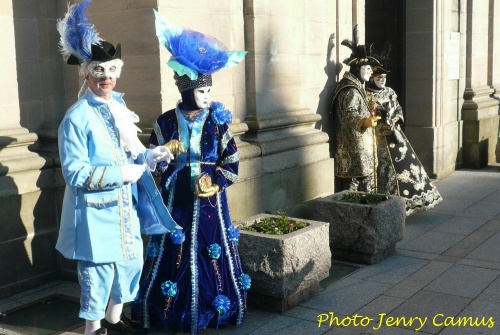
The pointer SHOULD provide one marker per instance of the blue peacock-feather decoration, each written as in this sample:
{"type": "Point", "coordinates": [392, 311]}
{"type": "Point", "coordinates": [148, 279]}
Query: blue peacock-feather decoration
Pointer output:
{"type": "Point", "coordinates": [194, 52]}
{"type": "Point", "coordinates": [77, 34]}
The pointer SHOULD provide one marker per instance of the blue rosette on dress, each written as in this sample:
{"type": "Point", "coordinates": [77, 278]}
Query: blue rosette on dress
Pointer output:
{"type": "Point", "coordinates": [194, 52]}
{"type": "Point", "coordinates": [178, 237]}
{"type": "Point", "coordinates": [214, 251]}
{"type": "Point", "coordinates": [152, 249]}
{"type": "Point", "coordinates": [221, 303]}
{"type": "Point", "coordinates": [245, 282]}
{"type": "Point", "coordinates": [233, 234]}
{"type": "Point", "coordinates": [169, 289]}
{"type": "Point", "coordinates": [220, 114]}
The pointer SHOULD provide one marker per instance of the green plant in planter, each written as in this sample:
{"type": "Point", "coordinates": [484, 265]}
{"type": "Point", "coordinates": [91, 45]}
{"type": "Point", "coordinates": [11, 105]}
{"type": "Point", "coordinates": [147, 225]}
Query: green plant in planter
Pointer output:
{"type": "Point", "coordinates": [364, 198]}
{"type": "Point", "coordinates": [275, 225]}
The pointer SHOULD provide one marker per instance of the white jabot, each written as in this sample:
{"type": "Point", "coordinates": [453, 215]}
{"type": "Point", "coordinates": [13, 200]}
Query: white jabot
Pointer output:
{"type": "Point", "coordinates": [125, 120]}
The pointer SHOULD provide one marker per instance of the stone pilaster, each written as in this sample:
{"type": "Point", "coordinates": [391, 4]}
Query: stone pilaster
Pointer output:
{"type": "Point", "coordinates": [494, 55]}
{"type": "Point", "coordinates": [282, 101]}
{"type": "Point", "coordinates": [494, 46]}
{"type": "Point", "coordinates": [27, 211]}
{"type": "Point", "coordinates": [435, 71]}
{"type": "Point", "coordinates": [480, 108]}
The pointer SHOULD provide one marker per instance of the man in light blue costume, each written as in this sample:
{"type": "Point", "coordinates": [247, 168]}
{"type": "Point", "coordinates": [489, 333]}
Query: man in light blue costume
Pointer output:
{"type": "Point", "coordinates": [110, 195]}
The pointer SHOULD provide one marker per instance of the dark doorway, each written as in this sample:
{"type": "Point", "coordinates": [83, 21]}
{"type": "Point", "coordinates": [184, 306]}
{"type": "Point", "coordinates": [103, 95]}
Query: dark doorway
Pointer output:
{"type": "Point", "coordinates": [385, 21]}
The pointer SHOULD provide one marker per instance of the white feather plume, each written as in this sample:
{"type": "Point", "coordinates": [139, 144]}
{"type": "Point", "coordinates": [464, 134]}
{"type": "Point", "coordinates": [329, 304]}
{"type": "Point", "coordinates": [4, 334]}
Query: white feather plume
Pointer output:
{"type": "Point", "coordinates": [77, 35]}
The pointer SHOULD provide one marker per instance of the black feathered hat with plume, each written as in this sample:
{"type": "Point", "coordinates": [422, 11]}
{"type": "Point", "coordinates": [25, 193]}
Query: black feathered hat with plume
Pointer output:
{"type": "Point", "coordinates": [359, 55]}
{"type": "Point", "coordinates": [80, 42]}
{"type": "Point", "coordinates": [383, 58]}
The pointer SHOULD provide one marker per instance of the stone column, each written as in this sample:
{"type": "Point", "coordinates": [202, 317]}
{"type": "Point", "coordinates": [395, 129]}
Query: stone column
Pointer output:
{"type": "Point", "coordinates": [27, 224]}
{"type": "Point", "coordinates": [494, 56]}
{"type": "Point", "coordinates": [284, 77]}
{"type": "Point", "coordinates": [480, 108]}
{"type": "Point", "coordinates": [434, 74]}
{"type": "Point", "coordinates": [494, 46]}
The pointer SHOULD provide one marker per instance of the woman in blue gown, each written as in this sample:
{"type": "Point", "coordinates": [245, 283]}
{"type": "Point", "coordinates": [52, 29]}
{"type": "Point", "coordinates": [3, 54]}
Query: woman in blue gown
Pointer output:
{"type": "Point", "coordinates": [193, 279]}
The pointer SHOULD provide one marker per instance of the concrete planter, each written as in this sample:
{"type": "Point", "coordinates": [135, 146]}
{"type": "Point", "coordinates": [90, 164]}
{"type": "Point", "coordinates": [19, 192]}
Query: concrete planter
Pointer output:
{"type": "Point", "coordinates": [285, 269]}
{"type": "Point", "coordinates": [362, 233]}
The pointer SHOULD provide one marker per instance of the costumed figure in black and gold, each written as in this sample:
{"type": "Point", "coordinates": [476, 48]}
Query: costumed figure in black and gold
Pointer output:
{"type": "Point", "coordinates": [354, 122]}
{"type": "Point", "coordinates": [399, 170]}
{"type": "Point", "coordinates": [193, 279]}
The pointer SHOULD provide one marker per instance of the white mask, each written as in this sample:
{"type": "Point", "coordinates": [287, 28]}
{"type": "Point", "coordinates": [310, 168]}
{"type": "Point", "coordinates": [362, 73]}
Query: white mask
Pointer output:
{"type": "Point", "coordinates": [365, 72]}
{"type": "Point", "coordinates": [380, 80]}
{"type": "Point", "coordinates": [202, 96]}
{"type": "Point", "coordinates": [111, 69]}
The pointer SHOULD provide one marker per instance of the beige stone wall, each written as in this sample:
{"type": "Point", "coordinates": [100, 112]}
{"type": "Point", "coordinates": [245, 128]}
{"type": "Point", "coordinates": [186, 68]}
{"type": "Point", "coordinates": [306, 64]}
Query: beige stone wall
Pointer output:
{"type": "Point", "coordinates": [27, 194]}
{"type": "Point", "coordinates": [480, 108]}
{"type": "Point", "coordinates": [286, 77]}
{"type": "Point", "coordinates": [131, 23]}
{"type": "Point", "coordinates": [9, 94]}
{"type": "Point", "coordinates": [279, 97]}
{"type": "Point", "coordinates": [494, 56]}
{"type": "Point", "coordinates": [427, 114]}
{"type": "Point", "coordinates": [494, 47]}
{"type": "Point", "coordinates": [288, 52]}
{"type": "Point", "coordinates": [448, 97]}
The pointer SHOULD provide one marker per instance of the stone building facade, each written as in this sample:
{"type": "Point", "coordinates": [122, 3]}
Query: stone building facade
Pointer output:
{"type": "Point", "coordinates": [447, 80]}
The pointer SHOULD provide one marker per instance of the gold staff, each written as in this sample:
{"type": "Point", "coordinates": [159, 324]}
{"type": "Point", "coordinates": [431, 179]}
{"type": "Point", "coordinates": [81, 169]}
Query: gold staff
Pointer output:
{"type": "Point", "coordinates": [372, 106]}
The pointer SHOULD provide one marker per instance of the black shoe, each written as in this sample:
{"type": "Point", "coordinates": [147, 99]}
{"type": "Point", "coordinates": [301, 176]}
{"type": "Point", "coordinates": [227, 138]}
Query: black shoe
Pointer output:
{"type": "Point", "coordinates": [121, 327]}
{"type": "Point", "coordinates": [133, 324]}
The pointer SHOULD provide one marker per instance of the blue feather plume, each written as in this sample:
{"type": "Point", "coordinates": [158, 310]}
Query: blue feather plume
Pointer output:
{"type": "Point", "coordinates": [77, 35]}
{"type": "Point", "coordinates": [194, 52]}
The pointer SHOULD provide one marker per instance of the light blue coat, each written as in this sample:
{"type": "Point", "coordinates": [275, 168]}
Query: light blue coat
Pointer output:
{"type": "Point", "coordinates": [99, 221]}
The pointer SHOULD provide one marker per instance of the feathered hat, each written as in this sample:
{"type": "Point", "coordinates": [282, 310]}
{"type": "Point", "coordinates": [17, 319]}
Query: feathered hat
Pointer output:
{"type": "Point", "coordinates": [359, 56]}
{"type": "Point", "coordinates": [194, 56]}
{"type": "Point", "coordinates": [80, 42]}
{"type": "Point", "coordinates": [383, 57]}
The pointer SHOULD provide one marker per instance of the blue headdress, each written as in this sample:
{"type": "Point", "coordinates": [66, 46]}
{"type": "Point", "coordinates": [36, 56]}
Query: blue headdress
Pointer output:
{"type": "Point", "coordinates": [194, 53]}
{"type": "Point", "coordinates": [80, 42]}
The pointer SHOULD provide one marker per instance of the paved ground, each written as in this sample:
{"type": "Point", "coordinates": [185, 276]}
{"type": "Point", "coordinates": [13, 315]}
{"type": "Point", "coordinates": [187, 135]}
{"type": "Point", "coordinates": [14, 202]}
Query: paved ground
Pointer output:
{"type": "Point", "coordinates": [444, 278]}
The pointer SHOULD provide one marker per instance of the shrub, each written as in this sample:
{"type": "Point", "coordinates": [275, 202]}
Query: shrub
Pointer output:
{"type": "Point", "coordinates": [275, 225]}
{"type": "Point", "coordinates": [364, 198]}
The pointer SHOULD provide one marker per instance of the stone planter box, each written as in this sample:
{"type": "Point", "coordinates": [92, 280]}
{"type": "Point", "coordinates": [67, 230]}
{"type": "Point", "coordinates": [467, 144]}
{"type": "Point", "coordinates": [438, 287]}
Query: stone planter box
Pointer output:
{"type": "Point", "coordinates": [361, 233]}
{"type": "Point", "coordinates": [285, 269]}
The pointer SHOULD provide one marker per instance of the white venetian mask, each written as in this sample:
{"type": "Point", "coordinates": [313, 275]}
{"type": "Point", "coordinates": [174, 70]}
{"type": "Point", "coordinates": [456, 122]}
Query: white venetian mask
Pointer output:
{"type": "Point", "coordinates": [111, 69]}
{"type": "Point", "coordinates": [202, 96]}
{"type": "Point", "coordinates": [365, 72]}
{"type": "Point", "coordinates": [380, 80]}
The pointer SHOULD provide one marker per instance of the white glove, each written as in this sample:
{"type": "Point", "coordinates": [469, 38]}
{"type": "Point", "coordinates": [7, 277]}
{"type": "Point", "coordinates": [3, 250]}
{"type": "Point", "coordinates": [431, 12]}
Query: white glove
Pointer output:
{"type": "Point", "coordinates": [158, 154]}
{"type": "Point", "coordinates": [132, 172]}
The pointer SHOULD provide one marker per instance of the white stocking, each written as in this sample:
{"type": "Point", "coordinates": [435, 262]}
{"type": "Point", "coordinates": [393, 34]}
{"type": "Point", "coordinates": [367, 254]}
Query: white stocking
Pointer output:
{"type": "Point", "coordinates": [91, 327]}
{"type": "Point", "coordinates": [114, 311]}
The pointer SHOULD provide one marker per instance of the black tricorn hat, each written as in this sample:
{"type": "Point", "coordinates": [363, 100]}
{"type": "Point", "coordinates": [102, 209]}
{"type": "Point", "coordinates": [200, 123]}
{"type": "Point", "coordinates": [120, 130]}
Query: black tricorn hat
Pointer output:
{"type": "Point", "coordinates": [359, 55]}
{"type": "Point", "coordinates": [383, 57]}
{"type": "Point", "coordinates": [101, 53]}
